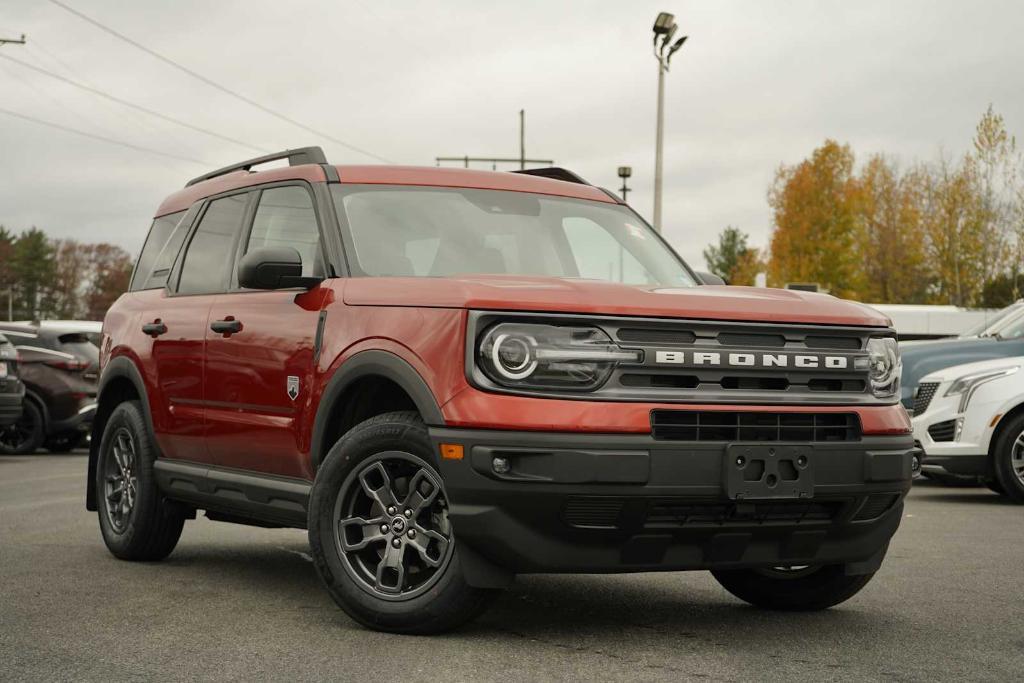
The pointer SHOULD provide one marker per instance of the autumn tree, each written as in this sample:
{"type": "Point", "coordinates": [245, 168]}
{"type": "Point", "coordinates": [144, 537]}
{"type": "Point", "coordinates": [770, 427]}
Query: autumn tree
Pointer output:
{"type": "Point", "coordinates": [892, 245]}
{"type": "Point", "coordinates": [814, 211]}
{"type": "Point", "coordinates": [70, 277]}
{"type": "Point", "coordinates": [110, 269]}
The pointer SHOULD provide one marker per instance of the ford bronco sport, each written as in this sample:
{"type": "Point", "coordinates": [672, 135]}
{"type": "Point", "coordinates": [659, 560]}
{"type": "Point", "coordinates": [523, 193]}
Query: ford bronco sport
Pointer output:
{"type": "Point", "coordinates": [452, 376]}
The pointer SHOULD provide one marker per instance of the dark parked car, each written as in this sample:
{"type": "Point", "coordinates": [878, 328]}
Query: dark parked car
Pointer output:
{"type": "Point", "coordinates": [1002, 337]}
{"type": "Point", "coordinates": [59, 369]}
{"type": "Point", "coordinates": [12, 391]}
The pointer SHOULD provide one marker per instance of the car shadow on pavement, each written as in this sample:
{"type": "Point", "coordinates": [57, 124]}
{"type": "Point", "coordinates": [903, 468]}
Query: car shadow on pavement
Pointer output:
{"type": "Point", "coordinates": [983, 497]}
{"type": "Point", "coordinates": [654, 607]}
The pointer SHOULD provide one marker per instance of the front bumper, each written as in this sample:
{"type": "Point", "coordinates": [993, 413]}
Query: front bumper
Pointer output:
{"type": "Point", "coordinates": [617, 503]}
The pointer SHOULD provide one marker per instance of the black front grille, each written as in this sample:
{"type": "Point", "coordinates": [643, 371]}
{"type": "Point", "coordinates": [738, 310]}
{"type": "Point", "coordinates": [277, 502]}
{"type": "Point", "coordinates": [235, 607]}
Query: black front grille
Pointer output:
{"type": "Point", "coordinates": [943, 431]}
{"type": "Point", "coordinates": [593, 512]}
{"type": "Point", "coordinates": [733, 426]}
{"type": "Point", "coordinates": [615, 512]}
{"type": "Point", "coordinates": [875, 505]}
{"type": "Point", "coordinates": [667, 514]}
{"type": "Point", "coordinates": [924, 395]}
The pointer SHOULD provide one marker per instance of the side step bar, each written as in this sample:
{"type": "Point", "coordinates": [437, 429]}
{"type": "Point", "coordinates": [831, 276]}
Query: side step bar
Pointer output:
{"type": "Point", "coordinates": [270, 500]}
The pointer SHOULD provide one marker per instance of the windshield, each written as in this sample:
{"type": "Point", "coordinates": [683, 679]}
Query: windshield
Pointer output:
{"type": "Point", "coordinates": [1013, 329]}
{"type": "Point", "coordinates": [439, 232]}
{"type": "Point", "coordinates": [992, 326]}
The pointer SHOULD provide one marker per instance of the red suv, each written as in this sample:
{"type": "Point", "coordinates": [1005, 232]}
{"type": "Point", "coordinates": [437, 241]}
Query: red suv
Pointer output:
{"type": "Point", "coordinates": [452, 376]}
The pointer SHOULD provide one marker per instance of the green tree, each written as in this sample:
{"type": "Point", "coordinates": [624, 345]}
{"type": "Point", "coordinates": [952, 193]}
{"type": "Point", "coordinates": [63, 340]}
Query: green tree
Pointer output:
{"type": "Point", "coordinates": [725, 258]}
{"type": "Point", "coordinates": [32, 266]}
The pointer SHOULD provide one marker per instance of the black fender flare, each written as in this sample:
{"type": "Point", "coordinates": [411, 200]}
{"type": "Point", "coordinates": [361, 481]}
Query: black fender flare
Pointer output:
{"type": "Point", "coordinates": [120, 367]}
{"type": "Point", "coordinates": [365, 363]}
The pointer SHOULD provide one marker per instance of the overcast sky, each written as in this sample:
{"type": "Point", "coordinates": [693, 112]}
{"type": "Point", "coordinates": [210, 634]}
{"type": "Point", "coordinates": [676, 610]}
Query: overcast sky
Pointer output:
{"type": "Point", "coordinates": [758, 84]}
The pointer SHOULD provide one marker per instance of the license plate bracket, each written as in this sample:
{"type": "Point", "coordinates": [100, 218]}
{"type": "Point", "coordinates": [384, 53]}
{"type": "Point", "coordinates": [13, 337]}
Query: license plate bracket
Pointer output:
{"type": "Point", "coordinates": [777, 471]}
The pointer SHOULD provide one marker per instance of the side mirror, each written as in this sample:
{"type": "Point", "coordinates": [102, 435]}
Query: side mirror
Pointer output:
{"type": "Point", "coordinates": [273, 268]}
{"type": "Point", "coordinates": [710, 278]}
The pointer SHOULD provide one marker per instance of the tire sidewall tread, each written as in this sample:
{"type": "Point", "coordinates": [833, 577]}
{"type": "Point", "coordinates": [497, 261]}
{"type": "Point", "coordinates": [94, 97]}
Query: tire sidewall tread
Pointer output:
{"type": "Point", "coordinates": [449, 602]}
{"type": "Point", "coordinates": [155, 524]}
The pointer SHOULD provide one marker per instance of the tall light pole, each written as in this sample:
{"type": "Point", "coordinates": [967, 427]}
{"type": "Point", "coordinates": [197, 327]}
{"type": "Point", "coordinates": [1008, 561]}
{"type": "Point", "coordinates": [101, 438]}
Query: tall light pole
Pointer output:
{"type": "Point", "coordinates": [624, 173]}
{"type": "Point", "coordinates": [664, 29]}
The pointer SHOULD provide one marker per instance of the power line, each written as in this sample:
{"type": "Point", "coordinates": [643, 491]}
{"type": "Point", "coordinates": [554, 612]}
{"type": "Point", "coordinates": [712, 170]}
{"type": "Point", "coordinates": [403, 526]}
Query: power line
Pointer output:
{"type": "Point", "coordinates": [126, 103]}
{"type": "Point", "coordinates": [103, 138]}
{"type": "Point", "coordinates": [214, 84]}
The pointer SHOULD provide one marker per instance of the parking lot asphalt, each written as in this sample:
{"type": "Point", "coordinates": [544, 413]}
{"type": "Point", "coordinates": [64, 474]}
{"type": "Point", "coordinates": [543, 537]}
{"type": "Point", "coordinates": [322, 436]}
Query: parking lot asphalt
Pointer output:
{"type": "Point", "coordinates": [240, 603]}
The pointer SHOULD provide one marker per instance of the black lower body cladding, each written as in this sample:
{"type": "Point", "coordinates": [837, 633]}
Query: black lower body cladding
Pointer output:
{"type": "Point", "coordinates": [565, 502]}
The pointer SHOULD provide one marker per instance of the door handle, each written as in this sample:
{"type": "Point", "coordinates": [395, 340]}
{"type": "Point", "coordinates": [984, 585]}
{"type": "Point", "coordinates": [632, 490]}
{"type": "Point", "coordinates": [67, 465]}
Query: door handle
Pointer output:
{"type": "Point", "coordinates": [227, 327]}
{"type": "Point", "coordinates": [155, 328]}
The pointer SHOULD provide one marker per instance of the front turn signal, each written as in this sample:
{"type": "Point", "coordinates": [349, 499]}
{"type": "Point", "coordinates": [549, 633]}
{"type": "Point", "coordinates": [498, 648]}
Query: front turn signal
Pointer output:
{"type": "Point", "coordinates": [452, 451]}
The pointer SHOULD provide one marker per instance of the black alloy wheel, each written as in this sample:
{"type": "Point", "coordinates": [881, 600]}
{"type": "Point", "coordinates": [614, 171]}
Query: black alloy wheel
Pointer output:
{"type": "Point", "coordinates": [392, 530]}
{"type": "Point", "coordinates": [26, 435]}
{"type": "Point", "coordinates": [120, 480]}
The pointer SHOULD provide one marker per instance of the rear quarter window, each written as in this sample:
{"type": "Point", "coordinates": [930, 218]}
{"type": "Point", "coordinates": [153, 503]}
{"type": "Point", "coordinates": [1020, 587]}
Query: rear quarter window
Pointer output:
{"type": "Point", "coordinates": [158, 253]}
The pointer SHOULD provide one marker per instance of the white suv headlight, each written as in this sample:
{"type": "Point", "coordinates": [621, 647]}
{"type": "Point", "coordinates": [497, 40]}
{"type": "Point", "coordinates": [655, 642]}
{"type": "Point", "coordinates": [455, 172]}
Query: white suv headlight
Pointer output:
{"type": "Point", "coordinates": [968, 384]}
{"type": "Point", "coordinates": [884, 366]}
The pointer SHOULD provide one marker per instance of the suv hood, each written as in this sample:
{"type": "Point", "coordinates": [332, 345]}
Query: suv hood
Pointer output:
{"type": "Point", "coordinates": [512, 293]}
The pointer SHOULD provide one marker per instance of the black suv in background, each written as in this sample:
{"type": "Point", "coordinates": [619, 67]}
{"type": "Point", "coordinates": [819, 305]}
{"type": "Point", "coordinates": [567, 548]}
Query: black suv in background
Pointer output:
{"type": "Point", "coordinates": [59, 369]}
{"type": "Point", "coordinates": [12, 391]}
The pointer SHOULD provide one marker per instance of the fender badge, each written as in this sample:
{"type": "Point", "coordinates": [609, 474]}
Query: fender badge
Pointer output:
{"type": "Point", "coordinates": [293, 387]}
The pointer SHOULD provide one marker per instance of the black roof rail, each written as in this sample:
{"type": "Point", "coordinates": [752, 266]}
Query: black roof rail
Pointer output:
{"type": "Point", "coordinates": [295, 157]}
{"type": "Point", "coordinates": [555, 173]}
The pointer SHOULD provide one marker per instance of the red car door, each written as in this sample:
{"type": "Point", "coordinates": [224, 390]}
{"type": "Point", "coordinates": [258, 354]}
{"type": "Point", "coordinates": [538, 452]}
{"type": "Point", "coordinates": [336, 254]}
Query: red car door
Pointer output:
{"type": "Point", "coordinates": [259, 350]}
{"type": "Point", "coordinates": [177, 320]}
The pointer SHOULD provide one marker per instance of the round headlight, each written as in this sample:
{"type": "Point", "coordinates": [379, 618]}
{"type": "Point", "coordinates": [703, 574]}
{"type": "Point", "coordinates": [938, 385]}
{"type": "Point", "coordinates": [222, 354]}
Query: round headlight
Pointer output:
{"type": "Point", "coordinates": [514, 355]}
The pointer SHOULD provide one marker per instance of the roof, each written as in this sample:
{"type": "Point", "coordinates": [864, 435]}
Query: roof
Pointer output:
{"type": "Point", "coordinates": [384, 175]}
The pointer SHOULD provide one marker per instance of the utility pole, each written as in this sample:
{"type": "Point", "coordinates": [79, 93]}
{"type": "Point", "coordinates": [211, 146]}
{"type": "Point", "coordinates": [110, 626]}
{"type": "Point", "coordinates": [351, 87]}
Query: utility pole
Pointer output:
{"type": "Point", "coordinates": [13, 41]}
{"type": "Point", "coordinates": [664, 28]}
{"type": "Point", "coordinates": [522, 139]}
{"type": "Point", "coordinates": [494, 161]}
{"type": "Point", "coordinates": [10, 303]}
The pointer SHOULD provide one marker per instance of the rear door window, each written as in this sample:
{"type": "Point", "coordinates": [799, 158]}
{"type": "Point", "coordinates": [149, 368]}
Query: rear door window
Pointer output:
{"type": "Point", "coordinates": [208, 256]}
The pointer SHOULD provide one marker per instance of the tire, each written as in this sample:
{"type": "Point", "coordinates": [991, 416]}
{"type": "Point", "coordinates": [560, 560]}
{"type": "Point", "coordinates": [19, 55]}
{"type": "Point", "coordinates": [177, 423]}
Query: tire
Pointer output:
{"type": "Point", "coordinates": [62, 443]}
{"type": "Point", "coordinates": [416, 587]}
{"type": "Point", "coordinates": [1008, 459]}
{"type": "Point", "coordinates": [795, 590]}
{"type": "Point", "coordinates": [148, 526]}
{"type": "Point", "coordinates": [26, 435]}
{"type": "Point", "coordinates": [995, 487]}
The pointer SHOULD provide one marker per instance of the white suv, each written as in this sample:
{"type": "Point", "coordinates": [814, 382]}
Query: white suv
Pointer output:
{"type": "Point", "coordinates": [969, 419]}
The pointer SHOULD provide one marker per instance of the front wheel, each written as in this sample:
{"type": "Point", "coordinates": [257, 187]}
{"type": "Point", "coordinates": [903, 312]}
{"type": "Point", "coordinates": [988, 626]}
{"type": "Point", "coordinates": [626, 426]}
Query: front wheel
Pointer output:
{"type": "Point", "coordinates": [1008, 459]}
{"type": "Point", "coordinates": [379, 531]}
{"type": "Point", "coordinates": [792, 589]}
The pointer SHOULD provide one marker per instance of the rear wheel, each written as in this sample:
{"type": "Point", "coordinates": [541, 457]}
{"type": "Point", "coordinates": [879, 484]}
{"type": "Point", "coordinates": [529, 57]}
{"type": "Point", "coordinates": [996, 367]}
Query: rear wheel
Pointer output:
{"type": "Point", "coordinates": [26, 435]}
{"type": "Point", "coordinates": [1008, 459]}
{"type": "Point", "coordinates": [379, 531]}
{"type": "Point", "coordinates": [136, 521]}
{"type": "Point", "coordinates": [792, 588]}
